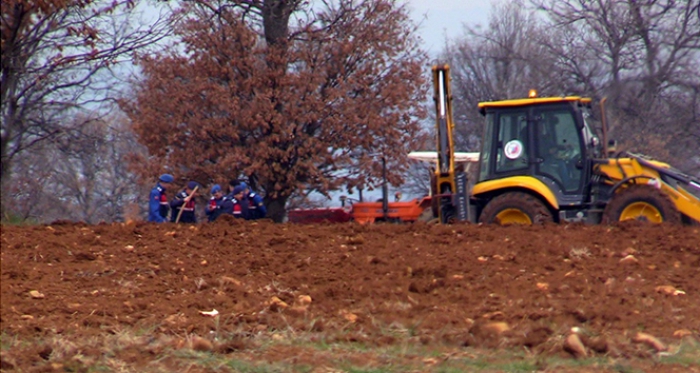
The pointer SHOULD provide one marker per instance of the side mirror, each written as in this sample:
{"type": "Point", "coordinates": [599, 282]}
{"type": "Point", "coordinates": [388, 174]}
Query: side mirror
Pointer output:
{"type": "Point", "coordinates": [595, 141]}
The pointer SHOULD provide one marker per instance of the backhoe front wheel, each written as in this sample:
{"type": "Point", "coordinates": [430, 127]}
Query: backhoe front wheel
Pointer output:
{"type": "Point", "coordinates": [643, 203]}
{"type": "Point", "coordinates": [515, 208]}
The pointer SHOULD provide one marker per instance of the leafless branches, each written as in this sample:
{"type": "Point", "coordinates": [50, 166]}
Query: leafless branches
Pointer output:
{"type": "Point", "coordinates": [58, 58]}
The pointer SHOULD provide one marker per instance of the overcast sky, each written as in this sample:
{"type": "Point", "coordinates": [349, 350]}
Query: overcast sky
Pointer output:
{"type": "Point", "coordinates": [441, 18]}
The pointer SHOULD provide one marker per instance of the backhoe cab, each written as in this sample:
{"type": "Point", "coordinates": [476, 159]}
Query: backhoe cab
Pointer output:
{"type": "Point", "coordinates": [542, 161]}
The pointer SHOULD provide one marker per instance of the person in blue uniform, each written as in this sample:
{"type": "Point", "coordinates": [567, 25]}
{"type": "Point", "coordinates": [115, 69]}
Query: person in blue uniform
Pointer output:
{"type": "Point", "coordinates": [158, 207]}
{"type": "Point", "coordinates": [240, 206]}
{"type": "Point", "coordinates": [231, 185]}
{"type": "Point", "coordinates": [218, 204]}
{"type": "Point", "coordinates": [256, 208]}
{"type": "Point", "coordinates": [185, 201]}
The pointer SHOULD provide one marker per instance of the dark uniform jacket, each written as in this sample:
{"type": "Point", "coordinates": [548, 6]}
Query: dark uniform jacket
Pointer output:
{"type": "Point", "coordinates": [218, 206]}
{"type": "Point", "coordinates": [256, 208]}
{"type": "Point", "coordinates": [240, 209]}
{"type": "Point", "coordinates": [188, 215]}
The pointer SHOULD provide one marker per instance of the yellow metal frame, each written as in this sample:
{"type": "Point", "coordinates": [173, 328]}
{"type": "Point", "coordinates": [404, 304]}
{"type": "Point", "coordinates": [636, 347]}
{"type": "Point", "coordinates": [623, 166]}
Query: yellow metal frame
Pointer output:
{"type": "Point", "coordinates": [621, 168]}
{"type": "Point", "coordinates": [685, 202]}
{"type": "Point", "coordinates": [532, 101]}
{"type": "Point", "coordinates": [443, 109]}
{"type": "Point", "coordinates": [525, 182]}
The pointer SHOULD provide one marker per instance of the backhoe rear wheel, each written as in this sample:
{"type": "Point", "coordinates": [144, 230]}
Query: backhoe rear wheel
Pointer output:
{"type": "Point", "coordinates": [643, 203]}
{"type": "Point", "coordinates": [515, 208]}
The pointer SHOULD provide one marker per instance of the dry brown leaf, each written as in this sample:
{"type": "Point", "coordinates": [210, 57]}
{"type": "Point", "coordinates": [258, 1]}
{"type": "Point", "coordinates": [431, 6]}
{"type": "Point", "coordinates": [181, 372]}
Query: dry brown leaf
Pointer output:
{"type": "Point", "coordinates": [277, 304]}
{"type": "Point", "coordinates": [349, 316]}
{"type": "Point", "coordinates": [669, 290]}
{"type": "Point", "coordinates": [201, 344]}
{"type": "Point", "coordinates": [211, 313]}
{"type": "Point", "coordinates": [304, 300]}
{"type": "Point", "coordinates": [574, 346]}
{"type": "Point", "coordinates": [681, 333]}
{"type": "Point", "coordinates": [230, 280]}
{"type": "Point", "coordinates": [649, 340]}
{"type": "Point", "coordinates": [629, 259]}
{"type": "Point", "coordinates": [497, 327]}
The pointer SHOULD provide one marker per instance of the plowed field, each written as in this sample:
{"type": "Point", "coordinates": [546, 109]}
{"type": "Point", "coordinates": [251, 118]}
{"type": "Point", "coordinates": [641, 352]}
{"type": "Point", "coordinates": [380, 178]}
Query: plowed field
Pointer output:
{"type": "Point", "coordinates": [69, 288]}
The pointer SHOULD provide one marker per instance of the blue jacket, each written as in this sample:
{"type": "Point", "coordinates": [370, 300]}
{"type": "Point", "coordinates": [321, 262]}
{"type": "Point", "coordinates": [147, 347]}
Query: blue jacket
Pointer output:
{"type": "Point", "coordinates": [256, 208]}
{"type": "Point", "coordinates": [158, 206]}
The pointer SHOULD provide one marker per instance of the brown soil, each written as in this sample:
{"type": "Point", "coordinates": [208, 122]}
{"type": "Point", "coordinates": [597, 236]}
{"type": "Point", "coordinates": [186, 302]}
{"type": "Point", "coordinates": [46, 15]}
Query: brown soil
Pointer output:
{"type": "Point", "coordinates": [463, 285]}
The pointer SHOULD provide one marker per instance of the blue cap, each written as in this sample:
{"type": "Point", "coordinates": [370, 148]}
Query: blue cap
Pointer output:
{"type": "Point", "coordinates": [166, 178]}
{"type": "Point", "coordinates": [191, 185]}
{"type": "Point", "coordinates": [216, 188]}
{"type": "Point", "coordinates": [238, 189]}
{"type": "Point", "coordinates": [243, 184]}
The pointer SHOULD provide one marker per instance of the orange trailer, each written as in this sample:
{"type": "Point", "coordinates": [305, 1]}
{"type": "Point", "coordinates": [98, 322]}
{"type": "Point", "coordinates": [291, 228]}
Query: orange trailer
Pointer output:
{"type": "Point", "coordinates": [409, 211]}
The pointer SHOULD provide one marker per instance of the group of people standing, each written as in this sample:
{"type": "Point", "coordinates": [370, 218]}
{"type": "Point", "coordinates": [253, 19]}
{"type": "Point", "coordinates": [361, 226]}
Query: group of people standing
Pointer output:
{"type": "Point", "coordinates": [240, 202]}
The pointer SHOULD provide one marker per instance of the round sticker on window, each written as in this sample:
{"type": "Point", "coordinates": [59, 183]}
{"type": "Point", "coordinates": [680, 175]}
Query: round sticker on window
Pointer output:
{"type": "Point", "coordinates": [513, 149]}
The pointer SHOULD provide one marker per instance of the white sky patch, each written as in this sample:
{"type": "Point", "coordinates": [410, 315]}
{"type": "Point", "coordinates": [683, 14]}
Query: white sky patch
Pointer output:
{"type": "Point", "coordinates": [441, 19]}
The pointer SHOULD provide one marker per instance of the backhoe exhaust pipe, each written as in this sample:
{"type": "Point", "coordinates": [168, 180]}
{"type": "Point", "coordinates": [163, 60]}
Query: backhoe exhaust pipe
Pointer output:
{"type": "Point", "coordinates": [604, 123]}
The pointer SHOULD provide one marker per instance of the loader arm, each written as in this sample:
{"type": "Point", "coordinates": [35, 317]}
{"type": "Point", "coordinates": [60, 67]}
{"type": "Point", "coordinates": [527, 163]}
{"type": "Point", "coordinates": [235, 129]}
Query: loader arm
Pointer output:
{"type": "Point", "coordinates": [638, 170]}
{"type": "Point", "coordinates": [677, 185]}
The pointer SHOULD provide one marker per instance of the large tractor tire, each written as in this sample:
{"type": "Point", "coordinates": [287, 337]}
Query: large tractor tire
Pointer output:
{"type": "Point", "coordinates": [643, 203]}
{"type": "Point", "coordinates": [516, 208]}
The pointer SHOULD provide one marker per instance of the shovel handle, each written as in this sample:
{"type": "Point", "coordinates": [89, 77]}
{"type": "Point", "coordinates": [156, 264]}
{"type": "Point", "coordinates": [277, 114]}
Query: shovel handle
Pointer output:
{"type": "Point", "coordinates": [179, 214]}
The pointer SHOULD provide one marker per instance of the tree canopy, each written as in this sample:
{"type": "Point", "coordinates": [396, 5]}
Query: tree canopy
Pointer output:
{"type": "Point", "coordinates": [292, 96]}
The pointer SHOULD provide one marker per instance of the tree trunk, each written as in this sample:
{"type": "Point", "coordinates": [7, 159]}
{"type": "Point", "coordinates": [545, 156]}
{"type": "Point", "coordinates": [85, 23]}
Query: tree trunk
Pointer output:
{"type": "Point", "coordinates": [4, 186]}
{"type": "Point", "coordinates": [275, 208]}
{"type": "Point", "coordinates": [276, 21]}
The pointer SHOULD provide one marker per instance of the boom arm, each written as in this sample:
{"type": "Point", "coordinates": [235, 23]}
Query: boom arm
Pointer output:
{"type": "Point", "coordinates": [445, 170]}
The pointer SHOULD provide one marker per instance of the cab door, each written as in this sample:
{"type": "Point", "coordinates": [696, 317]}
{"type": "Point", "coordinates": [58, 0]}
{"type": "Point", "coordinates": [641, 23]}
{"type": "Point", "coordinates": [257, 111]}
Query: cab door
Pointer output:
{"type": "Point", "coordinates": [559, 147]}
{"type": "Point", "coordinates": [512, 149]}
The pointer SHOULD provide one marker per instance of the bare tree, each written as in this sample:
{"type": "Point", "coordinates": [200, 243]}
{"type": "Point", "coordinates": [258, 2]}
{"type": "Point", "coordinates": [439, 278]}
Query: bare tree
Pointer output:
{"type": "Point", "coordinates": [645, 57]}
{"type": "Point", "coordinates": [25, 194]}
{"type": "Point", "coordinates": [57, 59]}
{"type": "Point", "coordinates": [500, 62]}
{"type": "Point", "coordinates": [80, 176]}
{"type": "Point", "coordinates": [417, 180]}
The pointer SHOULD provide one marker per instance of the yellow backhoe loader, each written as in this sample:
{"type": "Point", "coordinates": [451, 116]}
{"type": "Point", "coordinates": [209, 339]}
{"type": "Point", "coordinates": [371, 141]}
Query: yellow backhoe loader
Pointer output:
{"type": "Point", "coordinates": [542, 161]}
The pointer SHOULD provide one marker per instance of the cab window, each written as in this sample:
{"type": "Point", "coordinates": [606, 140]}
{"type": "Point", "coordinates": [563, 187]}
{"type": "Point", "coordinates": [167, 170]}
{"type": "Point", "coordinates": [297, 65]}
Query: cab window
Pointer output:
{"type": "Point", "coordinates": [511, 153]}
{"type": "Point", "coordinates": [558, 147]}
{"type": "Point", "coordinates": [485, 154]}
